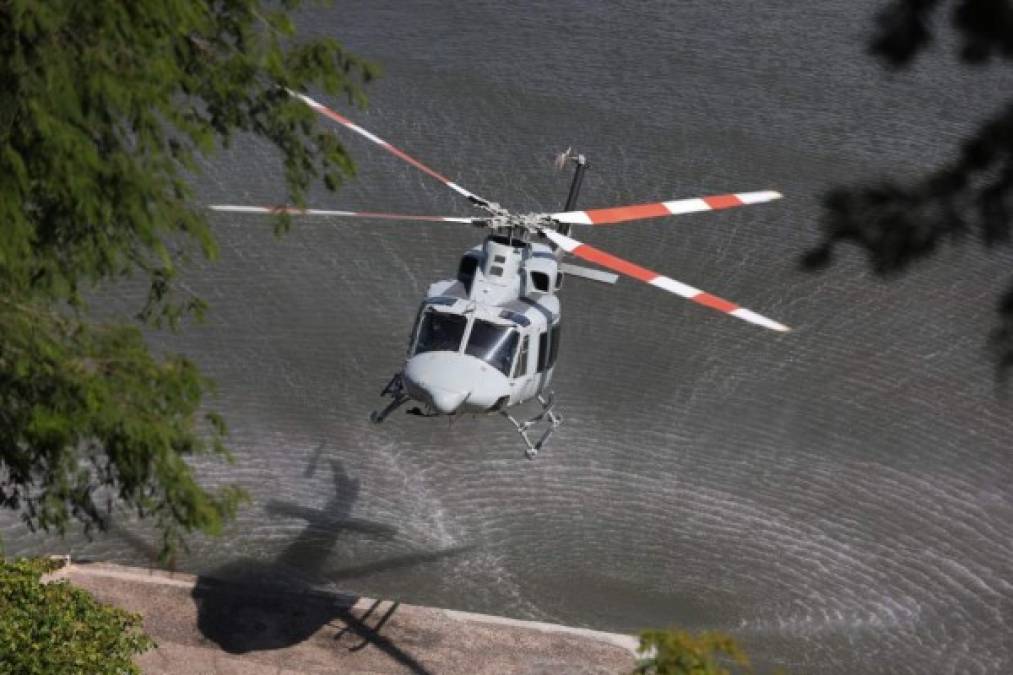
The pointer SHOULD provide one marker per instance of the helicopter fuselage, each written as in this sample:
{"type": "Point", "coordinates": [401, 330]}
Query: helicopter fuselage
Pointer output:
{"type": "Point", "coordinates": [488, 339]}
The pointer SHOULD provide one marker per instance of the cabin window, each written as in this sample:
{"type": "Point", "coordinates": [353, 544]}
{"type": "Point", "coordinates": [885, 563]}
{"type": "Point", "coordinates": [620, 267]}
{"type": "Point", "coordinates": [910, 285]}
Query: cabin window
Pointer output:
{"type": "Point", "coordinates": [543, 351]}
{"type": "Point", "coordinates": [540, 281]}
{"type": "Point", "coordinates": [522, 359]}
{"type": "Point", "coordinates": [495, 271]}
{"type": "Point", "coordinates": [493, 344]}
{"type": "Point", "coordinates": [548, 348]}
{"type": "Point", "coordinates": [440, 332]}
{"type": "Point", "coordinates": [553, 344]}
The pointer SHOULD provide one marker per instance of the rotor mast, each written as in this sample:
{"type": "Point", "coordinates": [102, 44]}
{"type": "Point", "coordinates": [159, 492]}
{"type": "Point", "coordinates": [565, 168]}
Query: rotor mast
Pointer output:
{"type": "Point", "coordinates": [571, 199]}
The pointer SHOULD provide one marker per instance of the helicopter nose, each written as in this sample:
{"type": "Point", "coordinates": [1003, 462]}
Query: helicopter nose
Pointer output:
{"type": "Point", "coordinates": [446, 401]}
{"type": "Point", "coordinates": [441, 379]}
{"type": "Point", "coordinates": [449, 381]}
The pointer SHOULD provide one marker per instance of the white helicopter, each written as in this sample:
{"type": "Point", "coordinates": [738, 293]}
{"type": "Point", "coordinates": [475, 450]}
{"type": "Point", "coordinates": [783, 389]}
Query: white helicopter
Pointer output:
{"type": "Point", "coordinates": [487, 340]}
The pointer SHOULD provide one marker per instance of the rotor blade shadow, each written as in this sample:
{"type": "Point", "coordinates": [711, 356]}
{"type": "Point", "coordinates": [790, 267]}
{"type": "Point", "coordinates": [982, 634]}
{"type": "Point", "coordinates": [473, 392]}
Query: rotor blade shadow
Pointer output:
{"type": "Point", "coordinates": [319, 519]}
{"type": "Point", "coordinates": [311, 466]}
{"type": "Point", "coordinates": [397, 562]}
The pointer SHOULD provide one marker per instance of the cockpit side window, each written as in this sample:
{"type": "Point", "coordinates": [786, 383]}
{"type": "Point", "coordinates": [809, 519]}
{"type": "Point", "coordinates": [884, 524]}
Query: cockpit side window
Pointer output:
{"type": "Point", "coordinates": [440, 332]}
{"type": "Point", "coordinates": [521, 368]}
{"type": "Point", "coordinates": [543, 351]}
{"type": "Point", "coordinates": [553, 344]}
{"type": "Point", "coordinates": [493, 344]}
{"type": "Point", "coordinates": [415, 329]}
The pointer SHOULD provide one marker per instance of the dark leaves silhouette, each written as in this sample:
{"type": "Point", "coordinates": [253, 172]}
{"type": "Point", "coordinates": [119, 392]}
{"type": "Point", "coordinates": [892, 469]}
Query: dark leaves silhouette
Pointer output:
{"type": "Point", "coordinates": [897, 223]}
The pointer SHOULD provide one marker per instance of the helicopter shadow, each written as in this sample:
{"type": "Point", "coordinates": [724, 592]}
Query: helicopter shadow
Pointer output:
{"type": "Point", "coordinates": [249, 605]}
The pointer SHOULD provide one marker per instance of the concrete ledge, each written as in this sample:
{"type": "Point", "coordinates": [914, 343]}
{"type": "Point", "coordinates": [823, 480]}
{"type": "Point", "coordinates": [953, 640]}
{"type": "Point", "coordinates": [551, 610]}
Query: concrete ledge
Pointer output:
{"type": "Point", "coordinates": [206, 625]}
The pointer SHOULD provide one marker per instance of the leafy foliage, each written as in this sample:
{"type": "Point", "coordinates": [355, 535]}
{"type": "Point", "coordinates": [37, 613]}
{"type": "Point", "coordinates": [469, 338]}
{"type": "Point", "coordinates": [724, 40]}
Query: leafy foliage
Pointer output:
{"type": "Point", "coordinates": [107, 106]}
{"type": "Point", "coordinates": [677, 652]}
{"type": "Point", "coordinates": [898, 223]}
{"type": "Point", "coordinates": [56, 628]}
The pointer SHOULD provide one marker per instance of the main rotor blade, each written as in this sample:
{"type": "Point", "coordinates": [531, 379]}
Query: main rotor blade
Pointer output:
{"type": "Point", "coordinates": [619, 214]}
{"type": "Point", "coordinates": [616, 264]}
{"type": "Point", "coordinates": [351, 214]}
{"type": "Point", "coordinates": [341, 119]}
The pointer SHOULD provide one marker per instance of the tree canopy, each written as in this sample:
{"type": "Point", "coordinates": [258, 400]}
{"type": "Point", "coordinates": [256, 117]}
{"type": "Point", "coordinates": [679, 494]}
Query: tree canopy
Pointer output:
{"type": "Point", "coordinates": [898, 223]}
{"type": "Point", "coordinates": [106, 107]}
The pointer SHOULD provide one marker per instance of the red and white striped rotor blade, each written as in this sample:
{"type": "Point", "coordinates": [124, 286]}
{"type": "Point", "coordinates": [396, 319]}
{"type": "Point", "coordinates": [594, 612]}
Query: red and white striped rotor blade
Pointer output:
{"type": "Point", "coordinates": [616, 264]}
{"type": "Point", "coordinates": [351, 214]}
{"type": "Point", "coordinates": [341, 119]}
{"type": "Point", "coordinates": [619, 214]}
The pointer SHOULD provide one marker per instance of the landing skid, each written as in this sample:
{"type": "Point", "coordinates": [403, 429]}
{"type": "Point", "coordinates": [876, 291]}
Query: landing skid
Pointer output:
{"type": "Point", "coordinates": [547, 413]}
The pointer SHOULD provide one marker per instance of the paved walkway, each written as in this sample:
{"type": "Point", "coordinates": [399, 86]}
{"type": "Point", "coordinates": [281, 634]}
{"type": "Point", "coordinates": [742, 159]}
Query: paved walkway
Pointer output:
{"type": "Point", "coordinates": [208, 626]}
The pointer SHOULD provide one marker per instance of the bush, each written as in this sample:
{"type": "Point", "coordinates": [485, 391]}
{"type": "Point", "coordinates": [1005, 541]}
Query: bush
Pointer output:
{"type": "Point", "coordinates": [56, 628]}
{"type": "Point", "coordinates": [676, 652]}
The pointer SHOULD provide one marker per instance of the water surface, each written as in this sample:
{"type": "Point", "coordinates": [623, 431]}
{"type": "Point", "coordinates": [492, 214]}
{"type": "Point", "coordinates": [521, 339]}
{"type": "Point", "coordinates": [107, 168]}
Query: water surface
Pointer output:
{"type": "Point", "coordinates": [837, 498]}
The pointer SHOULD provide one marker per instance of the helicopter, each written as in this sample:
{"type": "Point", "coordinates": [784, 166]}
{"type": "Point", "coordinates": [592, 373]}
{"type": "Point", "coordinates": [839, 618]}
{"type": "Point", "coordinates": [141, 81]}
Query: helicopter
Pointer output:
{"type": "Point", "coordinates": [487, 340]}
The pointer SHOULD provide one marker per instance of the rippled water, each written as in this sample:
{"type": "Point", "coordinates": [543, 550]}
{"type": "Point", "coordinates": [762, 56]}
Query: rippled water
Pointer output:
{"type": "Point", "coordinates": [838, 498]}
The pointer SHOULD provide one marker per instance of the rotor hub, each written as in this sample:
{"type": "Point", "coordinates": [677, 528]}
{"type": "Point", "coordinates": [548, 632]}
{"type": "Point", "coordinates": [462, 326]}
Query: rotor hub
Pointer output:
{"type": "Point", "coordinates": [532, 223]}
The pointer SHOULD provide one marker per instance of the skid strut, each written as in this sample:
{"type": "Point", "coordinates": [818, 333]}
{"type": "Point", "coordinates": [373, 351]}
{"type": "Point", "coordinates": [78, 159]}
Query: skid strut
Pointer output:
{"type": "Point", "coordinates": [547, 414]}
{"type": "Point", "coordinates": [394, 389]}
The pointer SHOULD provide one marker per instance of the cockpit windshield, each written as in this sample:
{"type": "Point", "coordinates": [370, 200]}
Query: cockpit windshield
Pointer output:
{"type": "Point", "coordinates": [440, 332]}
{"type": "Point", "coordinates": [493, 344]}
